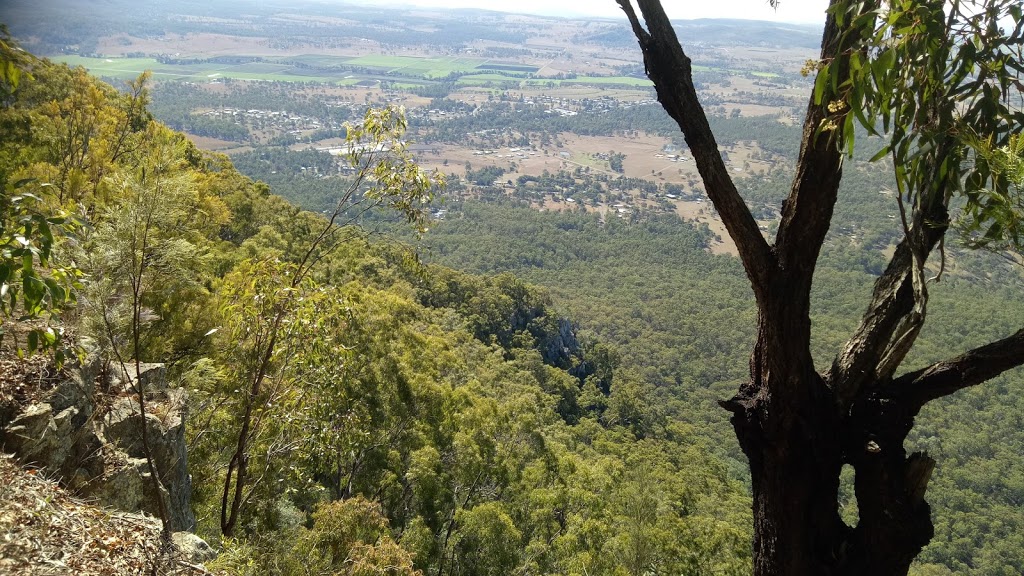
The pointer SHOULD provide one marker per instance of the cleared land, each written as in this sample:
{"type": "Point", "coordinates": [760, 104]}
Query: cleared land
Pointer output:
{"type": "Point", "coordinates": [646, 157]}
{"type": "Point", "coordinates": [402, 71]}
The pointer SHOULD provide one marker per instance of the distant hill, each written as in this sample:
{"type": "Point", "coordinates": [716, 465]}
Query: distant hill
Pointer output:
{"type": "Point", "coordinates": [726, 32]}
{"type": "Point", "coordinates": [63, 26]}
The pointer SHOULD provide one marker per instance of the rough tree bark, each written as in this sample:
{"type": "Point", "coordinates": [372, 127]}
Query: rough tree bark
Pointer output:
{"type": "Point", "coordinates": [796, 425]}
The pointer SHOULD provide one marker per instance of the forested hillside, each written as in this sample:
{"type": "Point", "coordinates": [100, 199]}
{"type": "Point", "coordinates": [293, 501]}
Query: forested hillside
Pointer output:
{"type": "Point", "coordinates": [680, 320]}
{"type": "Point", "coordinates": [390, 415]}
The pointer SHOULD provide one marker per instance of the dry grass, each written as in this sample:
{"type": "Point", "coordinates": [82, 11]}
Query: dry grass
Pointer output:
{"type": "Point", "coordinates": [45, 531]}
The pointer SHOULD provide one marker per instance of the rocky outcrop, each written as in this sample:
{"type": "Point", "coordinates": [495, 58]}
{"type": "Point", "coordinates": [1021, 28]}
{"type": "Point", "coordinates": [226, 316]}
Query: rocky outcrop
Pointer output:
{"type": "Point", "coordinates": [87, 433]}
{"type": "Point", "coordinates": [560, 347]}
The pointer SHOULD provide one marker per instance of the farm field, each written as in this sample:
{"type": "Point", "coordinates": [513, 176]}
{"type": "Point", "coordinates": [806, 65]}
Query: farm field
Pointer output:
{"type": "Point", "coordinates": [421, 67]}
{"type": "Point", "coordinates": [132, 67]}
{"type": "Point", "coordinates": [404, 70]}
{"type": "Point", "coordinates": [127, 68]}
{"type": "Point", "coordinates": [644, 158]}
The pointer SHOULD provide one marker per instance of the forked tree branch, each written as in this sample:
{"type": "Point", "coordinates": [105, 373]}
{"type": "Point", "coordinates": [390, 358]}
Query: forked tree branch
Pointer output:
{"type": "Point", "coordinates": [969, 369]}
{"type": "Point", "coordinates": [859, 364]}
{"type": "Point", "coordinates": [669, 68]}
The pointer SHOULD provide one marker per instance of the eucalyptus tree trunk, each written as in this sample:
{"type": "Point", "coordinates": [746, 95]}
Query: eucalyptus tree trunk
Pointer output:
{"type": "Point", "coordinates": [799, 426]}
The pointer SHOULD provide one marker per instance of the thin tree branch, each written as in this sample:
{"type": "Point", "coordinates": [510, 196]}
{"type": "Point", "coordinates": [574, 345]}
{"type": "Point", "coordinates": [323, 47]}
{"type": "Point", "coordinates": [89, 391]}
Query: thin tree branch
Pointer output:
{"type": "Point", "coordinates": [968, 369]}
{"type": "Point", "coordinates": [669, 68]}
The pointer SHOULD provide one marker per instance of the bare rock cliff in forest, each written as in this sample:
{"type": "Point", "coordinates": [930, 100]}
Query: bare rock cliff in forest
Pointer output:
{"type": "Point", "coordinates": [83, 427]}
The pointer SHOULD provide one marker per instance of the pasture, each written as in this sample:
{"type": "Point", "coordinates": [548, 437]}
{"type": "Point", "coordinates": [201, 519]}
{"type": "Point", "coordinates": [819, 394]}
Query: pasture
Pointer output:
{"type": "Point", "coordinates": [404, 71]}
{"type": "Point", "coordinates": [128, 68]}
{"type": "Point", "coordinates": [432, 67]}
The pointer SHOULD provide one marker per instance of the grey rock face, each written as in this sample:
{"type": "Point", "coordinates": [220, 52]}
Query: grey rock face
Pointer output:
{"type": "Point", "coordinates": [99, 452]}
{"type": "Point", "coordinates": [32, 435]}
{"type": "Point", "coordinates": [165, 428]}
{"type": "Point", "coordinates": [560, 348]}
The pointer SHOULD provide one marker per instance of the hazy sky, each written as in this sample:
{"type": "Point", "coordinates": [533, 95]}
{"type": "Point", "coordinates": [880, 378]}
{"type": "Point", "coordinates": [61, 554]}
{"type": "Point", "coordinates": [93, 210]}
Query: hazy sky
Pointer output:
{"type": "Point", "coordinates": [802, 11]}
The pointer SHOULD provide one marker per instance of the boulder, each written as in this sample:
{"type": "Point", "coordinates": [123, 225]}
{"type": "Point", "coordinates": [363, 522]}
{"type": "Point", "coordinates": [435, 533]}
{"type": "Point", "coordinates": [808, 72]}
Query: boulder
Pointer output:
{"type": "Point", "coordinates": [151, 377]}
{"type": "Point", "coordinates": [41, 437]}
{"type": "Point", "coordinates": [193, 549]}
{"type": "Point", "coordinates": [125, 486]}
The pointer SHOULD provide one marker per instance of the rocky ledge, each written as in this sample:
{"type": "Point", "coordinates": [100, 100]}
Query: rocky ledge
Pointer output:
{"type": "Point", "coordinates": [82, 427]}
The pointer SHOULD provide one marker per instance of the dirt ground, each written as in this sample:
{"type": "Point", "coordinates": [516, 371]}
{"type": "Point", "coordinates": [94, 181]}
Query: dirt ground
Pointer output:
{"type": "Point", "coordinates": [212, 144]}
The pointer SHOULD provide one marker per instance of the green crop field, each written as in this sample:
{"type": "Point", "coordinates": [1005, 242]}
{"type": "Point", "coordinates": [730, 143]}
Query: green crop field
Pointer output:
{"type": "Point", "coordinates": [283, 76]}
{"type": "Point", "coordinates": [279, 72]}
{"type": "Point", "coordinates": [620, 80]}
{"type": "Point", "coordinates": [406, 85]}
{"type": "Point", "coordinates": [261, 68]}
{"type": "Point", "coordinates": [520, 68]}
{"type": "Point", "coordinates": [479, 79]}
{"type": "Point", "coordinates": [319, 60]}
{"type": "Point", "coordinates": [406, 68]}
{"type": "Point", "coordinates": [417, 67]}
{"type": "Point", "coordinates": [131, 67]}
